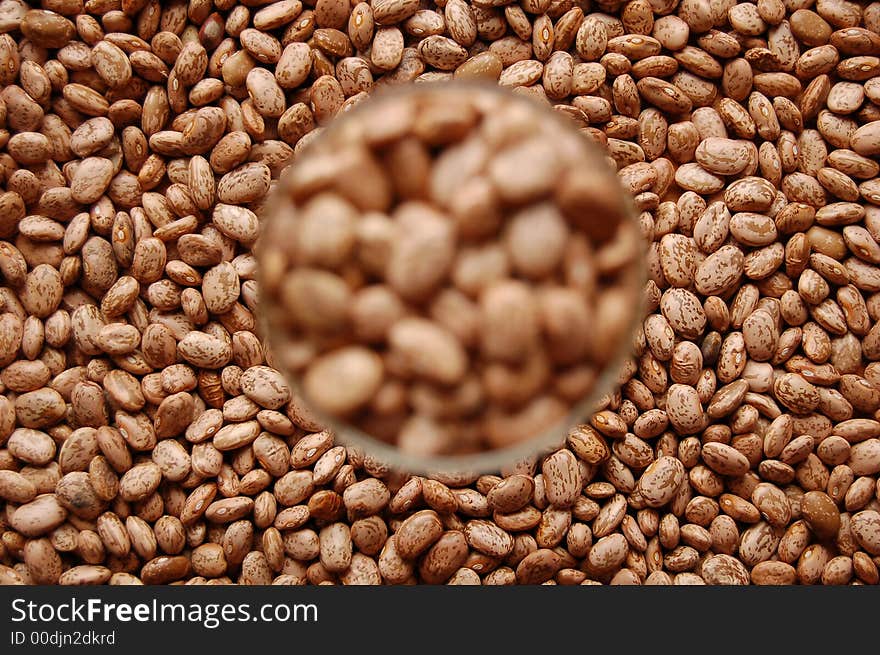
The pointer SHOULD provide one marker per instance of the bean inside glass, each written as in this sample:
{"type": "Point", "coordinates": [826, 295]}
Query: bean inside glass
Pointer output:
{"type": "Point", "coordinates": [451, 277]}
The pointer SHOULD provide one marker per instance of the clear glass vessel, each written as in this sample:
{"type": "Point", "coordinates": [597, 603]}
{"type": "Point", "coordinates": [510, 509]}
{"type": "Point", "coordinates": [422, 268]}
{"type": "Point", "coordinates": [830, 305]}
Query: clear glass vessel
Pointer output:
{"type": "Point", "coordinates": [313, 165]}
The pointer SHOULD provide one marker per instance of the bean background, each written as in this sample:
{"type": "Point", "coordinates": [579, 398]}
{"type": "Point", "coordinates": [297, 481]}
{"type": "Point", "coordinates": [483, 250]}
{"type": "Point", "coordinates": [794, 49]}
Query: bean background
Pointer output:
{"type": "Point", "coordinates": [146, 437]}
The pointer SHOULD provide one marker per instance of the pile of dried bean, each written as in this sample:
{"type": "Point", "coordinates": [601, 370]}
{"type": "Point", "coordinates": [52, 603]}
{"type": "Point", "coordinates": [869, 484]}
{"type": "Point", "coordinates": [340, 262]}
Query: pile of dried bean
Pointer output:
{"type": "Point", "coordinates": [145, 436]}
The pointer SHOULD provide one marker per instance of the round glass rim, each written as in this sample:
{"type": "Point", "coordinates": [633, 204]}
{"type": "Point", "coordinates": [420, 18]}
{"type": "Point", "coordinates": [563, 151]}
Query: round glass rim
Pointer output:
{"type": "Point", "coordinates": [495, 460]}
